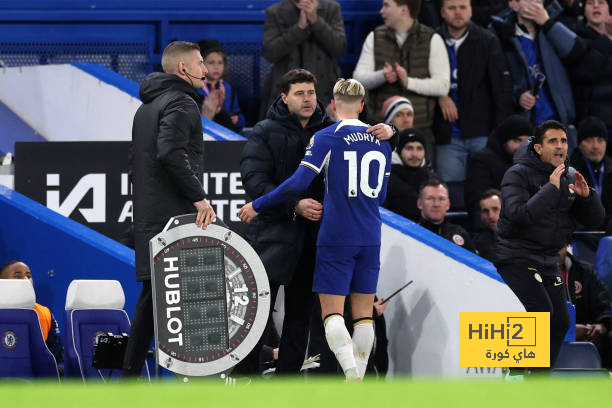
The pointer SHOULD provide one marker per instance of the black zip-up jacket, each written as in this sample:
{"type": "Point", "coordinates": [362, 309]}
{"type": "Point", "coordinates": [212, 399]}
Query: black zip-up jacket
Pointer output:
{"type": "Point", "coordinates": [485, 86]}
{"type": "Point", "coordinates": [271, 155]}
{"type": "Point", "coordinates": [166, 157]}
{"type": "Point", "coordinates": [403, 189]}
{"type": "Point", "coordinates": [452, 232]}
{"type": "Point", "coordinates": [537, 219]}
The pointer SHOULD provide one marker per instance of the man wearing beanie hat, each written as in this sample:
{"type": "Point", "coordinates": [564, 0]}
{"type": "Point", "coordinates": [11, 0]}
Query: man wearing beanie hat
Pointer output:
{"type": "Point", "coordinates": [409, 170]}
{"type": "Point", "coordinates": [486, 168]}
{"type": "Point", "coordinates": [398, 111]}
{"type": "Point", "coordinates": [591, 160]}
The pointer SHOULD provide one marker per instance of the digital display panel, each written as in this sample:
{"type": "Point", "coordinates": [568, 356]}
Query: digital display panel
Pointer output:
{"type": "Point", "coordinates": [203, 294]}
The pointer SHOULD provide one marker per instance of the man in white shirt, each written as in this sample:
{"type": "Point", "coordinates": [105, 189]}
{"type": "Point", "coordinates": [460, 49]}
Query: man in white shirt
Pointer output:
{"type": "Point", "coordinates": [406, 58]}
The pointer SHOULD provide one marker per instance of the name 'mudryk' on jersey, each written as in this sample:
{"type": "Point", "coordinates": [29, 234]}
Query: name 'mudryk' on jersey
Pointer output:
{"type": "Point", "coordinates": [356, 167]}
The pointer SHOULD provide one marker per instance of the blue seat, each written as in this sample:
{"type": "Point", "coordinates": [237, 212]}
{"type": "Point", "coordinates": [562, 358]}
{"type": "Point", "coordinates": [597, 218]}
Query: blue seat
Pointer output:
{"type": "Point", "coordinates": [23, 352]}
{"type": "Point", "coordinates": [93, 307]}
{"type": "Point", "coordinates": [578, 354]}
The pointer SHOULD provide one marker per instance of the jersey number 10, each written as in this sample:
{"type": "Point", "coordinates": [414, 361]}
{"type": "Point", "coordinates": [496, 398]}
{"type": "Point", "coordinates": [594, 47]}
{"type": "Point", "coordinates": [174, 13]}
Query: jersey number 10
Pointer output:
{"type": "Point", "coordinates": [364, 180]}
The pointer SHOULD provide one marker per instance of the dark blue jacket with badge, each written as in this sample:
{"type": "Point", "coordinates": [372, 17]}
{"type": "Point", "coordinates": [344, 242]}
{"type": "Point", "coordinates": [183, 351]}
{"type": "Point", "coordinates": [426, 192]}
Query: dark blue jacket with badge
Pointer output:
{"type": "Point", "coordinates": [537, 219]}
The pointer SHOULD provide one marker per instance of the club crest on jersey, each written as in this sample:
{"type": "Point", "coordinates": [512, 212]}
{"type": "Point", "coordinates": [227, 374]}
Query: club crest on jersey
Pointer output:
{"type": "Point", "coordinates": [458, 239]}
{"type": "Point", "coordinates": [9, 340]}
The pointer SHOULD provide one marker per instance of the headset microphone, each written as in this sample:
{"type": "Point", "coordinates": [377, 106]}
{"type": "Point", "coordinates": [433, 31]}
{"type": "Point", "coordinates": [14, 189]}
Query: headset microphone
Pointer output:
{"type": "Point", "coordinates": [189, 75]}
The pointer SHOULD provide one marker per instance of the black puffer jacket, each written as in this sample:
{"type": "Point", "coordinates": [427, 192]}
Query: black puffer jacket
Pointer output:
{"type": "Point", "coordinates": [537, 219]}
{"type": "Point", "coordinates": [166, 157]}
{"type": "Point", "coordinates": [403, 189]}
{"type": "Point", "coordinates": [271, 155]}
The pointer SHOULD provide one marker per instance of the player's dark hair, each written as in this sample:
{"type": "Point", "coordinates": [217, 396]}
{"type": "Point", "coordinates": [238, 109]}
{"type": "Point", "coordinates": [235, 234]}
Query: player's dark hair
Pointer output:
{"type": "Point", "coordinates": [296, 76]}
{"type": "Point", "coordinates": [544, 127]}
{"type": "Point", "coordinates": [432, 182]}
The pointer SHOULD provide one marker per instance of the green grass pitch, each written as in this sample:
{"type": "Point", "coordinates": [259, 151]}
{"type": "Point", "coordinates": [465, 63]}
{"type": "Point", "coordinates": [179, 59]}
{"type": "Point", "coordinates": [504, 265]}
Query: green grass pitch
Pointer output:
{"type": "Point", "coordinates": [312, 393]}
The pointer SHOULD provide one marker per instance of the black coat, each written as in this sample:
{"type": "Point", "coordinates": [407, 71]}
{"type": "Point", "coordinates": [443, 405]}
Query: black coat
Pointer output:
{"type": "Point", "coordinates": [166, 157]}
{"type": "Point", "coordinates": [452, 232]}
{"type": "Point", "coordinates": [537, 219]}
{"type": "Point", "coordinates": [588, 293]}
{"type": "Point", "coordinates": [485, 170]}
{"type": "Point", "coordinates": [590, 68]}
{"type": "Point", "coordinates": [403, 189]}
{"type": "Point", "coordinates": [579, 164]}
{"type": "Point", "coordinates": [485, 86]}
{"type": "Point", "coordinates": [271, 155]}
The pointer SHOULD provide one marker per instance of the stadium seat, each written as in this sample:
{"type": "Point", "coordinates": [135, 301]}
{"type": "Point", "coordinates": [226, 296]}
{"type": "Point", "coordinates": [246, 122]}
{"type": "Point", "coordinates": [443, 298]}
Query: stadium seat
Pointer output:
{"type": "Point", "coordinates": [578, 354]}
{"type": "Point", "coordinates": [93, 307]}
{"type": "Point", "coordinates": [23, 353]}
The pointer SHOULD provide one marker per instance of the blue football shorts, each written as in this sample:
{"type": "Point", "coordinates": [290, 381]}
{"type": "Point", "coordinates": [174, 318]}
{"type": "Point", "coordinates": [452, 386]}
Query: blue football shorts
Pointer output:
{"type": "Point", "coordinates": [340, 270]}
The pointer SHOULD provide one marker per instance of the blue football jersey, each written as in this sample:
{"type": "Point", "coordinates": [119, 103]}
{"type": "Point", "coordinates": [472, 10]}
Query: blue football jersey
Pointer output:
{"type": "Point", "coordinates": [357, 168]}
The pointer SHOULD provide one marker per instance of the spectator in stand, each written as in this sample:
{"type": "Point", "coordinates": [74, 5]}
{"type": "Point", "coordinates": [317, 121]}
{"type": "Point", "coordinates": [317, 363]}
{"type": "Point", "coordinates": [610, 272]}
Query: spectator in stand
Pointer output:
{"type": "Point", "coordinates": [409, 170]}
{"type": "Point", "coordinates": [398, 111]}
{"type": "Point", "coordinates": [305, 34]}
{"type": "Point", "coordinates": [590, 296]}
{"type": "Point", "coordinates": [541, 86]}
{"type": "Point", "coordinates": [434, 204]}
{"type": "Point", "coordinates": [588, 56]}
{"type": "Point", "coordinates": [48, 324]}
{"type": "Point", "coordinates": [219, 95]}
{"type": "Point", "coordinates": [590, 159]}
{"type": "Point", "coordinates": [404, 57]}
{"type": "Point", "coordinates": [486, 168]}
{"type": "Point", "coordinates": [490, 207]}
{"type": "Point", "coordinates": [480, 94]}
{"type": "Point", "coordinates": [484, 10]}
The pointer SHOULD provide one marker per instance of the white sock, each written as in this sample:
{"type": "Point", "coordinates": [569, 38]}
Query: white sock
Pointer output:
{"type": "Point", "coordinates": [340, 344]}
{"type": "Point", "coordinates": [363, 340]}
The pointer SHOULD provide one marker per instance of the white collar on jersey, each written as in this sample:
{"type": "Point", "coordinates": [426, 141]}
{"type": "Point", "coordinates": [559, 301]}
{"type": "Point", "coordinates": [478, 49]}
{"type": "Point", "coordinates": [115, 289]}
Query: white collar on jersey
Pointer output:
{"type": "Point", "coordinates": [351, 122]}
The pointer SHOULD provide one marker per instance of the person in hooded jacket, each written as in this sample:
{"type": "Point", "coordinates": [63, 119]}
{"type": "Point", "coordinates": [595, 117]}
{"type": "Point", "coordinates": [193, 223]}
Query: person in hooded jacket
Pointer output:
{"type": "Point", "coordinates": [542, 204]}
{"type": "Point", "coordinates": [166, 158]}
{"type": "Point", "coordinates": [285, 236]}
{"type": "Point", "coordinates": [409, 170]}
{"type": "Point", "coordinates": [486, 168]}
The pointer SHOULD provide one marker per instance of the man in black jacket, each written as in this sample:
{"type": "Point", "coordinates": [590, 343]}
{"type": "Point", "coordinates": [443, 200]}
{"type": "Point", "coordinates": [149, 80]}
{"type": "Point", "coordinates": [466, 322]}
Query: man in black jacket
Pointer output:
{"type": "Point", "coordinates": [591, 160]}
{"type": "Point", "coordinates": [434, 203]}
{"type": "Point", "coordinates": [486, 168]}
{"type": "Point", "coordinates": [166, 167]}
{"type": "Point", "coordinates": [285, 236]}
{"type": "Point", "coordinates": [540, 209]}
{"type": "Point", "coordinates": [409, 170]}
{"type": "Point", "coordinates": [480, 95]}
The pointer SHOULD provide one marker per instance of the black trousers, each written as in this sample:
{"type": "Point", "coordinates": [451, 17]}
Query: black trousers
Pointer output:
{"type": "Point", "coordinates": [299, 300]}
{"type": "Point", "coordinates": [545, 296]}
{"type": "Point", "coordinates": [141, 332]}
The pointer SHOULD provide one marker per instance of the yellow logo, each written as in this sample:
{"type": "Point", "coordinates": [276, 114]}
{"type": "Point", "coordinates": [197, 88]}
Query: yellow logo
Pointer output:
{"type": "Point", "coordinates": [500, 339]}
